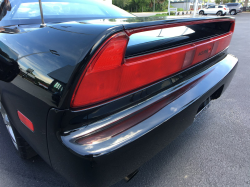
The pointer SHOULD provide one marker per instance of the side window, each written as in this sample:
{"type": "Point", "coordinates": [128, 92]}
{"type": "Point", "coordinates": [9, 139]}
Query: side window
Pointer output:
{"type": "Point", "coordinates": [229, 5]}
{"type": "Point", "coordinates": [211, 7]}
{"type": "Point", "coordinates": [220, 7]}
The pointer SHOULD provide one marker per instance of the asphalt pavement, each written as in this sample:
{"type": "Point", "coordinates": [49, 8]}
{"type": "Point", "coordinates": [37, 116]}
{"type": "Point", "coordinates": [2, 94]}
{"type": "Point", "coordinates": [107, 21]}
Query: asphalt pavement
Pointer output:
{"type": "Point", "coordinates": [213, 151]}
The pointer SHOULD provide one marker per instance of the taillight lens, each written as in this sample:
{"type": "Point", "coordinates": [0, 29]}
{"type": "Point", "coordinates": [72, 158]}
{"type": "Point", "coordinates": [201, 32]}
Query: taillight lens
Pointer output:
{"type": "Point", "coordinates": [111, 54]}
{"type": "Point", "coordinates": [102, 78]}
{"type": "Point", "coordinates": [224, 8]}
{"type": "Point", "coordinates": [109, 75]}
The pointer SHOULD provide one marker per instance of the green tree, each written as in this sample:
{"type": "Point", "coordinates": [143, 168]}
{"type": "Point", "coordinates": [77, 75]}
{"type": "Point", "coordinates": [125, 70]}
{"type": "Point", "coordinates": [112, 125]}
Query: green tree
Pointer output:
{"type": "Point", "coordinates": [121, 3]}
{"type": "Point", "coordinates": [217, 1]}
{"type": "Point", "coordinates": [137, 5]}
{"type": "Point", "coordinates": [141, 5]}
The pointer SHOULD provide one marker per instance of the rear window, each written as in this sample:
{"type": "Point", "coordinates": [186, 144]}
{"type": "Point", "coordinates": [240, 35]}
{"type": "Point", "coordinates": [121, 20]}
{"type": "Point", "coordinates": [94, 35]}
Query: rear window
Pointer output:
{"type": "Point", "coordinates": [14, 12]}
{"type": "Point", "coordinates": [222, 6]}
{"type": "Point", "coordinates": [233, 4]}
{"type": "Point", "coordinates": [59, 9]}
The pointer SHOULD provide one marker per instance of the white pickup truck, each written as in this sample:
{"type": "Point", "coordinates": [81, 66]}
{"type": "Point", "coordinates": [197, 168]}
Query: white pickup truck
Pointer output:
{"type": "Point", "coordinates": [219, 10]}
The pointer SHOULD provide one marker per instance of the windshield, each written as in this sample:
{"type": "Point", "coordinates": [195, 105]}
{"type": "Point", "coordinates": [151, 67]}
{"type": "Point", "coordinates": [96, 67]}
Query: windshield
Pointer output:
{"type": "Point", "coordinates": [13, 12]}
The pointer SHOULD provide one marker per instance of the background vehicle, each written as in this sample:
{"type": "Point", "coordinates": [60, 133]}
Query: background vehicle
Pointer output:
{"type": "Point", "coordinates": [234, 8]}
{"type": "Point", "coordinates": [106, 91]}
{"type": "Point", "coordinates": [219, 10]}
{"type": "Point", "coordinates": [208, 4]}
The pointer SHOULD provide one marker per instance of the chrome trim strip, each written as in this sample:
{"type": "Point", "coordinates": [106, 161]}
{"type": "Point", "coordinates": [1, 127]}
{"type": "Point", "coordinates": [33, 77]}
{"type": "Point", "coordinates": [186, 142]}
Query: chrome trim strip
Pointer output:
{"type": "Point", "coordinates": [111, 119]}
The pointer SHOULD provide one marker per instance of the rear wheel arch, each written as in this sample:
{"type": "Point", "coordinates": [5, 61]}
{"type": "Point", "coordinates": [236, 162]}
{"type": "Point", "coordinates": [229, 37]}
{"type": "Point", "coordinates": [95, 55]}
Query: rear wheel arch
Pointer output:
{"type": "Point", "coordinates": [22, 147]}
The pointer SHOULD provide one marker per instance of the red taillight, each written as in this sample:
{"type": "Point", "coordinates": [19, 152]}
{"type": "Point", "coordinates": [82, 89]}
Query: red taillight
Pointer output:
{"type": "Point", "coordinates": [101, 81]}
{"type": "Point", "coordinates": [225, 9]}
{"type": "Point", "coordinates": [25, 121]}
{"type": "Point", "coordinates": [109, 75]}
{"type": "Point", "coordinates": [111, 54]}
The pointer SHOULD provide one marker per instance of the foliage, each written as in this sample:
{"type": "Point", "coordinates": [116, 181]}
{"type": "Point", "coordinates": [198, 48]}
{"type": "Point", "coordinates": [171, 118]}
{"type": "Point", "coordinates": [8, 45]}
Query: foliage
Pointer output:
{"type": "Point", "coordinates": [217, 1]}
{"type": "Point", "coordinates": [141, 5]}
{"type": "Point", "coordinates": [225, 1]}
{"type": "Point", "coordinates": [164, 14]}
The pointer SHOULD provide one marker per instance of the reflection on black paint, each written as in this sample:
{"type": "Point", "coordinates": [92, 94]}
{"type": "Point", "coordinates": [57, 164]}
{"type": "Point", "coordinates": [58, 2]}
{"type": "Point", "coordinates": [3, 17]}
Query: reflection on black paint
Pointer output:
{"type": "Point", "coordinates": [9, 68]}
{"type": "Point", "coordinates": [61, 77]}
{"type": "Point", "coordinates": [54, 52]}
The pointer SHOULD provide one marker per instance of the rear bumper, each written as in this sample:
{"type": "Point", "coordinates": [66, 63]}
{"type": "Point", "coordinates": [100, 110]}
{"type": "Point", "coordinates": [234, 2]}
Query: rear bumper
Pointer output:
{"type": "Point", "coordinates": [106, 163]}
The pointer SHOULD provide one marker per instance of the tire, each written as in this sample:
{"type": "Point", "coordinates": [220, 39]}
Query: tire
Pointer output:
{"type": "Point", "coordinates": [22, 147]}
{"type": "Point", "coordinates": [233, 12]}
{"type": "Point", "coordinates": [201, 12]}
{"type": "Point", "coordinates": [219, 13]}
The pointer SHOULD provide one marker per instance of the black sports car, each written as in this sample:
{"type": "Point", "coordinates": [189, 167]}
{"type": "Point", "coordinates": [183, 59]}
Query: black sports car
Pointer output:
{"type": "Point", "coordinates": [96, 91]}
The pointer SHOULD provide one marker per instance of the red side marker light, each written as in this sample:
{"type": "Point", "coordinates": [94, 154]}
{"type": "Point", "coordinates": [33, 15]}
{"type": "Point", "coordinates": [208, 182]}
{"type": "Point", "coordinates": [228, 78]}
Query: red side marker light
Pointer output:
{"type": "Point", "coordinates": [25, 121]}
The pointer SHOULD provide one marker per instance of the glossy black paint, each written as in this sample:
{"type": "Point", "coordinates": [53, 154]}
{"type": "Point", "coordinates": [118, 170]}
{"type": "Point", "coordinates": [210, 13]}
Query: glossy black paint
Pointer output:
{"type": "Point", "coordinates": [42, 89]}
{"type": "Point", "coordinates": [31, 93]}
{"type": "Point", "coordinates": [106, 169]}
{"type": "Point", "coordinates": [53, 48]}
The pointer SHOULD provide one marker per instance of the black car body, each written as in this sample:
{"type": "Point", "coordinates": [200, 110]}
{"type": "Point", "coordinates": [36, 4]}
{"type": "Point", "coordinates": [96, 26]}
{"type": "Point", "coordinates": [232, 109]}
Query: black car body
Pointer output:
{"type": "Point", "coordinates": [96, 122]}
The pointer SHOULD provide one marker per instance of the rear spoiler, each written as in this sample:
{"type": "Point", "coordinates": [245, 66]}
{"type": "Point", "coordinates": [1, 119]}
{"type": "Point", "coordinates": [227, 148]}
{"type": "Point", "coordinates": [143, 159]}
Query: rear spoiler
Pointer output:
{"type": "Point", "coordinates": [142, 27]}
{"type": "Point", "coordinates": [139, 22]}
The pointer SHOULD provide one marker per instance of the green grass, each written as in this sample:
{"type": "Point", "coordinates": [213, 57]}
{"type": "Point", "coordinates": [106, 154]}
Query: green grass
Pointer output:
{"type": "Point", "coordinates": [163, 14]}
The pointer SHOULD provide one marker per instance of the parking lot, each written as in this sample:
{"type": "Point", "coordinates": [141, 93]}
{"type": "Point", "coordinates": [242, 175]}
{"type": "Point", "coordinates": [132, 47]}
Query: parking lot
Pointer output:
{"type": "Point", "coordinates": [213, 151]}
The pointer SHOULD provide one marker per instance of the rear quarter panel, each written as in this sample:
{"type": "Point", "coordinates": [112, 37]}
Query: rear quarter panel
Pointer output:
{"type": "Point", "coordinates": [50, 55]}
